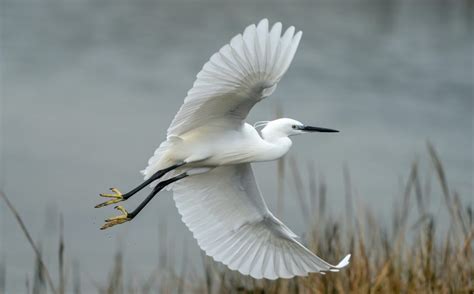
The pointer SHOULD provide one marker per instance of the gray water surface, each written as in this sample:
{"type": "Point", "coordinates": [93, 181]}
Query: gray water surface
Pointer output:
{"type": "Point", "coordinates": [90, 87]}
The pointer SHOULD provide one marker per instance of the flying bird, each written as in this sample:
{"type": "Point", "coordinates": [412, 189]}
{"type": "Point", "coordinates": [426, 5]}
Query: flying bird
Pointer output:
{"type": "Point", "coordinates": [207, 155]}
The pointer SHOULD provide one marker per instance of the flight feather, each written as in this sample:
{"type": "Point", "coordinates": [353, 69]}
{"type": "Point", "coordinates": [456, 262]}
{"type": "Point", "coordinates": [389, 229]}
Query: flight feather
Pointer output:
{"type": "Point", "coordinates": [239, 75]}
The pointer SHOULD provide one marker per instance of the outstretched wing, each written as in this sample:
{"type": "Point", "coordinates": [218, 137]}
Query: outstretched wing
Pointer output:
{"type": "Point", "coordinates": [231, 222]}
{"type": "Point", "coordinates": [242, 73]}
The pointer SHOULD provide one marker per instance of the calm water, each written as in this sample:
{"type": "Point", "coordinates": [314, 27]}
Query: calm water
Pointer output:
{"type": "Point", "coordinates": [89, 88]}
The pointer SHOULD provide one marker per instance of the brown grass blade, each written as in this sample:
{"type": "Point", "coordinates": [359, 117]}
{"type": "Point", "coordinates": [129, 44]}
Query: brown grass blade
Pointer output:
{"type": "Point", "coordinates": [30, 240]}
{"type": "Point", "coordinates": [62, 275]}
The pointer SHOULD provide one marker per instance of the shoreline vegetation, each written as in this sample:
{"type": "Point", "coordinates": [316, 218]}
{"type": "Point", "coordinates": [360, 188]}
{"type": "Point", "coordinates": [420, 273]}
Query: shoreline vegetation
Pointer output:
{"type": "Point", "coordinates": [409, 252]}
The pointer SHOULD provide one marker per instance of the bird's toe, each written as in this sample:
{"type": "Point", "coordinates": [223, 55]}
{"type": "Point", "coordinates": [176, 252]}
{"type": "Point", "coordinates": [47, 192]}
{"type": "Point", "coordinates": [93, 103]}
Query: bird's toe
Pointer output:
{"type": "Point", "coordinates": [117, 197]}
{"type": "Point", "coordinates": [117, 220]}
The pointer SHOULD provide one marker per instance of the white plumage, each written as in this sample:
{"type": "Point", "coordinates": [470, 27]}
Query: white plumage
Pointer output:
{"type": "Point", "coordinates": [223, 206]}
{"type": "Point", "coordinates": [238, 76]}
{"type": "Point", "coordinates": [232, 82]}
{"type": "Point", "coordinates": [231, 222]}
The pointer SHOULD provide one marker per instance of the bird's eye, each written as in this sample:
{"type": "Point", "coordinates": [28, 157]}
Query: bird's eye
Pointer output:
{"type": "Point", "coordinates": [294, 127]}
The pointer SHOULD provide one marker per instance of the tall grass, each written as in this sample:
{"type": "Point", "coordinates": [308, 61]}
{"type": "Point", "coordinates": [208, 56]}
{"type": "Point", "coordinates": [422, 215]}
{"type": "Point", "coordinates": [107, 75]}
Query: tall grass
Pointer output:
{"type": "Point", "coordinates": [416, 255]}
{"type": "Point", "coordinates": [409, 251]}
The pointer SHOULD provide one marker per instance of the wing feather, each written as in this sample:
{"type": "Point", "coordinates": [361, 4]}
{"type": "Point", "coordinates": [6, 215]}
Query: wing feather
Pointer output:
{"type": "Point", "coordinates": [235, 78]}
{"type": "Point", "coordinates": [231, 222]}
{"type": "Point", "coordinates": [238, 73]}
{"type": "Point", "coordinates": [224, 208]}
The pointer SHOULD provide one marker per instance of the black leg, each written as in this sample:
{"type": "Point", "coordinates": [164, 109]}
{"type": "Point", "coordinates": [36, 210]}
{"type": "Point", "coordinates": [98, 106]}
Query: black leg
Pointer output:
{"type": "Point", "coordinates": [153, 178]}
{"type": "Point", "coordinates": [126, 217]}
{"type": "Point", "coordinates": [155, 191]}
{"type": "Point", "coordinates": [117, 196]}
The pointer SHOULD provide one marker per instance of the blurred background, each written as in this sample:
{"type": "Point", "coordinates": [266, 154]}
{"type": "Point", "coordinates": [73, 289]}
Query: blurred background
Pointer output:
{"type": "Point", "coordinates": [89, 87]}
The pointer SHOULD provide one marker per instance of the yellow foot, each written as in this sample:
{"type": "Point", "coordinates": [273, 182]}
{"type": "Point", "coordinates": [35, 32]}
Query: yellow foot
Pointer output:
{"type": "Point", "coordinates": [117, 220]}
{"type": "Point", "coordinates": [117, 197]}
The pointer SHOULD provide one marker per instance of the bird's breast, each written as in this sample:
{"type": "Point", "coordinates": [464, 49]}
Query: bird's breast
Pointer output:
{"type": "Point", "coordinates": [233, 147]}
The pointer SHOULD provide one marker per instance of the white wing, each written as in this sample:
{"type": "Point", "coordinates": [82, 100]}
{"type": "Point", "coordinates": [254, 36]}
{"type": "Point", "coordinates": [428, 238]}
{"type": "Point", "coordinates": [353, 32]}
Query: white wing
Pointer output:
{"type": "Point", "coordinates": [231, 222]}
{"type": "Point", "coordinates": [242, 73]}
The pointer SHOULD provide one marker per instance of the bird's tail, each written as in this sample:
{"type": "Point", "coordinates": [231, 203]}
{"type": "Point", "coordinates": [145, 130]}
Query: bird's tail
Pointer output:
{"type": "Point", "coordinates": [160, 160]}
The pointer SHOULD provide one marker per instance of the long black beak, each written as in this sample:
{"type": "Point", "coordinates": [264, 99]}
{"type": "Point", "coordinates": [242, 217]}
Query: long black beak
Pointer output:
{"type": "Point", "coordinates": [316, 129]}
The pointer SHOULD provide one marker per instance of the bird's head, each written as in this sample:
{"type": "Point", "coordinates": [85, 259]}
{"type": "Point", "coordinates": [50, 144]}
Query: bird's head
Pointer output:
{"type": "Point", "coordinates": [285, 127]}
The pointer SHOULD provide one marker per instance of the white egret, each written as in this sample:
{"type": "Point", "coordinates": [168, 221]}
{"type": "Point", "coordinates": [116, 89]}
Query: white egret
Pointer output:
{"type": "Point", "coordinates": [206, 160]}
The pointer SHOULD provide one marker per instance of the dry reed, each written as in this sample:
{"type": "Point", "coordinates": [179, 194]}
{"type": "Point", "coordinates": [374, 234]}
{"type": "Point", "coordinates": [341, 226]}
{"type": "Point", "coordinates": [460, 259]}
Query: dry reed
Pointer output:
{"type": "Point", "coordinates": [410, 252]}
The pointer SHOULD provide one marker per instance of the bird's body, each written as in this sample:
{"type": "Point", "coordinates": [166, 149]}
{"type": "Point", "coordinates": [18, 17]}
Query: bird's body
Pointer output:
{"type": "Point", "coordinates": [212, 146]}
{"type": "Point", "coordinates": [207, 155]}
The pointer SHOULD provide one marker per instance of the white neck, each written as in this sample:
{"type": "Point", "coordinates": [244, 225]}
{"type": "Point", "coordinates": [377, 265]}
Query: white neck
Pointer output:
{"type": "Point", "coordinates": [278, 145]}
{"type": "Point", "coordinates": [270, 135]}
